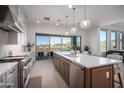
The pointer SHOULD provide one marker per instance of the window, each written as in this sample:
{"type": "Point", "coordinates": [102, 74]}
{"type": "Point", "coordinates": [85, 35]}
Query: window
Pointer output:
{"type": "Point", "coordinates": [66, 43]}
{"type": "Point", "coordinates": [55, 43]}
{"type": "Point", "coordinates": [42, 43]}
{"type": "Point", "coordinates": [113, 40]}
{"type": "Point", "coordinates": [103, 43]}
{"type": "Point", "coordinates": [46, 43]}
{"type": "Point", "coordinates": [120, 40]}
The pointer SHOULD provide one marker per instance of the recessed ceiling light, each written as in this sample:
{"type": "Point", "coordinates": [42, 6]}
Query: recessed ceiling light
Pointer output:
{"type": "Point", "coordinates": [37, 21]}
{"type": "Point", "coordinates": [70, 6]}
{"type": "Point", "coordinates": [57, 24]}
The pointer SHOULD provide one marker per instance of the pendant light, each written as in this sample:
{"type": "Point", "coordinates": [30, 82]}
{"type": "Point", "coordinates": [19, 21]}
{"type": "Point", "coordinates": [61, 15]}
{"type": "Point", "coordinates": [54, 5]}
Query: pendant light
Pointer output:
{"type": "Point", "coordinates": [66, 25]}
{"type": "Point", "coordinates": [85, 23]}
{"type": "Point", "coordinates": [74, 28]}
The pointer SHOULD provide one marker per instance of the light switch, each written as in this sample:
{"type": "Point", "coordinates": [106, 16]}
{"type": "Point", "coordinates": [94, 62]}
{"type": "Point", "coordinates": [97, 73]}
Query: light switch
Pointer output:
{"type": "Point", "coordinates": [107, 74]}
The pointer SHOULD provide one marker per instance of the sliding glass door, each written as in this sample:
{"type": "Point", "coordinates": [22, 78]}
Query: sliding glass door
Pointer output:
{"type": "Point", "coordinates": [55, 43]}
{"type": "Point", "coordinates": [78, 42]}
{"type": "Point", "coordinates": [42, 46]}
{"type": "Point", "coordinates": [66, 43]}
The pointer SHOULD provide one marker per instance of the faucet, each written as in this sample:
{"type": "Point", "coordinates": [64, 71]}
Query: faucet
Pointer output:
{"type": "Point", "coordinates": [74, 49]}
{"type": "Point", "coordinates": [10, 53]}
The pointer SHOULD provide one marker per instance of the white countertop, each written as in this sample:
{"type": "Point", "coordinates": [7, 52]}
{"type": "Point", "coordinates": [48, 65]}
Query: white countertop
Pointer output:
{"type": "Point", "coordinates": [4, 67]}
{"type": "Point", "coordinates": [88, 61]}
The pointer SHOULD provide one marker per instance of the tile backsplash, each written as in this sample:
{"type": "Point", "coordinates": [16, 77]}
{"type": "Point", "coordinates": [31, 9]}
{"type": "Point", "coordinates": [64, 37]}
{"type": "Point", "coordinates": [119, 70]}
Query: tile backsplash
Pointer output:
{"type": "Point", "coordinates": [4, 47]}
{"type": "Point", "coordinates": [14, 48]}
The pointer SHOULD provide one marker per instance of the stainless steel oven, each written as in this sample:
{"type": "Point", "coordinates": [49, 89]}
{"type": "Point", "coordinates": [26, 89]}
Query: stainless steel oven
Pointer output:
{"type": "Point", "coordinates": [26, 70]}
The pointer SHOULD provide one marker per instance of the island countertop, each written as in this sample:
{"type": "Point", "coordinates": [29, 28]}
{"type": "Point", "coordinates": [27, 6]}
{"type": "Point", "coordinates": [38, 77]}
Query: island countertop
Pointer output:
{"type": "Point", "coordinates": [88, 61]}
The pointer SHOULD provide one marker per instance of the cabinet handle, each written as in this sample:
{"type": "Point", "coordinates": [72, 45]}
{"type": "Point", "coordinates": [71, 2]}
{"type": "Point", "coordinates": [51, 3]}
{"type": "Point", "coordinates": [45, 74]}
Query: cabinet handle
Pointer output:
{"type": "Point", "coordinates": [12, 71]}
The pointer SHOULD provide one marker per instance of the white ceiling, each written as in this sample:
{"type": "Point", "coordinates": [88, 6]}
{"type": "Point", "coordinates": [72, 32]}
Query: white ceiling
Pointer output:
{"type": "Point", "coordinates": [99, 15]}
{"type": "Point", "coordinates": [119, 25]}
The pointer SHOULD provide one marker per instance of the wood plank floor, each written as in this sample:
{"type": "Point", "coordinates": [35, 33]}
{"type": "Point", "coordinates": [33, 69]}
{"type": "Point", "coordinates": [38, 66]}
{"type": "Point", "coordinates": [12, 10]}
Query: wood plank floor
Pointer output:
{"type": "Point", "coordinates": [50, 77]}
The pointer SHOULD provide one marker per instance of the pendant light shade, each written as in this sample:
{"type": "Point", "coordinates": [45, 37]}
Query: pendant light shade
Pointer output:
{"type": "Point", "coordinates": [85, 23]}
{"type": "Point", "coordinates": [74, 28]}
{"type": "Point", "coordinates": [67, 33]}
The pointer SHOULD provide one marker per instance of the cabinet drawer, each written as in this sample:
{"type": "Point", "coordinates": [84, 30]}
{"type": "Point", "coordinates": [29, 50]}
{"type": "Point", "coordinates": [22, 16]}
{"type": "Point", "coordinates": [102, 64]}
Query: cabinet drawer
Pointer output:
{"type": "Point", "coordinates": [11, 73]}
{"type": "Point", "coordinates": [2, 81]}
{"type": "Point", "coordinates": [11, 83]}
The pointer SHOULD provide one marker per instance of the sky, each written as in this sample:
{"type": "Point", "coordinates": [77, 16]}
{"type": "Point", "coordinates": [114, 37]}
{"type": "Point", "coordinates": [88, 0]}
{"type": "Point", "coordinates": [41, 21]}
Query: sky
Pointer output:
{"type": "Point", "coordinates": [42, 39]}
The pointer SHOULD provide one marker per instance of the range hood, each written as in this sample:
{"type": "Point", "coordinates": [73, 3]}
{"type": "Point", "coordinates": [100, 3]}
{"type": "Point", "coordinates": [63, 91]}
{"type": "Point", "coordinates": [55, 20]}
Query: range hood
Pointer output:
{"type": "Point", "coordinates": [7, 20]}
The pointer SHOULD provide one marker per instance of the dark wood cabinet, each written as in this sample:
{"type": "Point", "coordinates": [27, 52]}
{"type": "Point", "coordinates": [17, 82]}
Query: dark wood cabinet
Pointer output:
{"type": "Point", "coordinates": [66, 72]}
{"type": "Point", "coordinates": [82, 77]}
{"type": "Point", "coordinates": [62, 71]}
{"type": "Point", "coordinates": [62, 66]}
{"type": "Point", "coordinates": [101, 77]}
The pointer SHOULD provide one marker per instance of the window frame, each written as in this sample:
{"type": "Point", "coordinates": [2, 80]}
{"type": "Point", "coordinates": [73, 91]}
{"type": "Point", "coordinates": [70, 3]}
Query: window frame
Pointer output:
{"type": "Point", "coordinates": [58, 35]}
{"type": "Point", "coordinates": [115, 39]}
{"type": "Point", "coordinates": [104, 30]}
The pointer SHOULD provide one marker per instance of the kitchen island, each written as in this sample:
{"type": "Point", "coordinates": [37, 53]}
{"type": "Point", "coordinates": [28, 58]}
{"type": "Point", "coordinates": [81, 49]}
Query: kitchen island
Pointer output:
{"type": "Point", "coordinates": [85, 71]}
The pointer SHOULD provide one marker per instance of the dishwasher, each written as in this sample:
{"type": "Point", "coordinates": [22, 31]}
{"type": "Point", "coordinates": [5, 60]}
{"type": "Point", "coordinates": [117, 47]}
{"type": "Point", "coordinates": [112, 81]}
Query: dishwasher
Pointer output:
{"type": "Point", "coordinates": [76, 76]}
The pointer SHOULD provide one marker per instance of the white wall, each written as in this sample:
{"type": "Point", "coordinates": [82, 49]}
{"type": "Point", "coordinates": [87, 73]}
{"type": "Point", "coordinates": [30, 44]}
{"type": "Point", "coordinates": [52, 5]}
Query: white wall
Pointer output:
{"type": "Point", "coordinates": [50, 29]}
{"type": "Point", "coordinates": [92, 38]}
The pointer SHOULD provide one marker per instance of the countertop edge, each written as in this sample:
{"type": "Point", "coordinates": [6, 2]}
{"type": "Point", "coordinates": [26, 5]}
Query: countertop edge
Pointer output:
{"type": "Point", "coordinates": [89, 67]}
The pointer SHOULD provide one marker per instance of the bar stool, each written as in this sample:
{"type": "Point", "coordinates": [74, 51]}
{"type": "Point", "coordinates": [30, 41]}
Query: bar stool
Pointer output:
{"type": "Point", "coordinates": [97, 54]}
{"type": "Point", "coordinates": [117, 67]}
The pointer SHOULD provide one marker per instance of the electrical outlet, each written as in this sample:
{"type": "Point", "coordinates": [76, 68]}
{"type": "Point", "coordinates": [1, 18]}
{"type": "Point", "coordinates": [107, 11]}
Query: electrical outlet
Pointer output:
{"type": "Point", "coordinates": [107, 74]}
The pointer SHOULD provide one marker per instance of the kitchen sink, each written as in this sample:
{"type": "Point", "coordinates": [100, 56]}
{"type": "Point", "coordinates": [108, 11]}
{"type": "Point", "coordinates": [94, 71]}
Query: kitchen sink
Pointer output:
{"type": "Point", "coordinates": [71, 55]}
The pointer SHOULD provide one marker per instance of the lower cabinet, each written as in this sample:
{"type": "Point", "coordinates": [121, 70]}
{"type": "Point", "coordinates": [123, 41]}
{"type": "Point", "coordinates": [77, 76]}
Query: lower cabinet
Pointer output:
{"type": "Point", "coordinates": [101, 77]}
{"type": "Point", "coordinates": [82, 77]}
{"type": "Point", "coordinates": [9, 78]}
{"type": "Point", "coordinates": [2, 81]}
{"type": "Point", "coordinates": [65, 70]}
{"type": "Point", "coordinates": [62, 67]}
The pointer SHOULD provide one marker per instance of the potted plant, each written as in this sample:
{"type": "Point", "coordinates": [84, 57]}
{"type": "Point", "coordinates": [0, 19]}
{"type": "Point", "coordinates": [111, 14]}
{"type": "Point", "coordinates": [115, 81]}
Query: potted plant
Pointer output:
{"type": "Point", "coordinates": [86, 48]}
{"type": "Point", "coordinates": [29, 46]}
